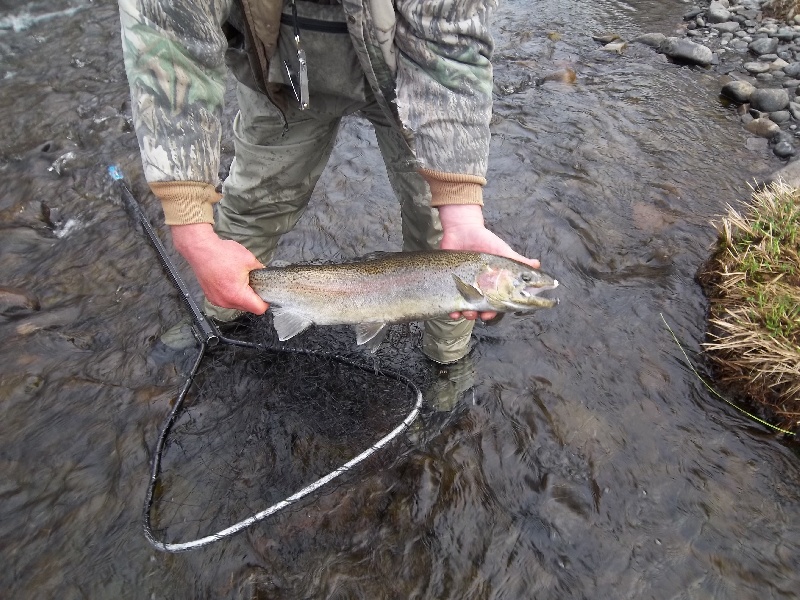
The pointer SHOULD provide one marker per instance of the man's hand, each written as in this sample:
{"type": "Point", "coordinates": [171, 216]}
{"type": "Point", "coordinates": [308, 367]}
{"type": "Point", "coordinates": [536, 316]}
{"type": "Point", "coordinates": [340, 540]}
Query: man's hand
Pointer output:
{"type": "Point", "coordinates": [464, 229]}
{"type": "Point", "coordinates": [222, 267]}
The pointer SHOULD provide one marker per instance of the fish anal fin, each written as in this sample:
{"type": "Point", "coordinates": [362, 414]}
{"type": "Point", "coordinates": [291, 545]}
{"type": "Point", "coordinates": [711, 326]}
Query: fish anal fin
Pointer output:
{"type": "Point", "coordinates": [288, 324]}
{"type": "Point", "coordinates": [468, 291]}
{"type": "Point", "coordinates": [371, 334]}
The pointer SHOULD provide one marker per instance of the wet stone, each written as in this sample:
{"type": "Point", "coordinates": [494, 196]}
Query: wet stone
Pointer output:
{"type": "Point", "coordinates": [738, 91]}
{"type": "Point", "coordinates": [17, 302]}
{"type": "Point", "coordinates": [792, 70]}
{"type": "Point", "coordinates": [717, 12]}
{"type": "Point", "coordinates": [691, 14]}
{"type": "Point", "coordinates": [727, 27]}
{"type": "Point", "coordinates": [781, 116]}
{"type": "Point", "coordinates": [783, 150]}
{"type": "Point", "coordinates": [764, 46]}
{"type": "Point", "coordinates": [685, 50]}
{"type": "Point", "coordinates": [769, 99]}
{"type": "Point", "coordinates": [756, 67]}
{"type": "Point", "coordinates": [762, 127]}
{"type": "Point", "coordinates": [654, 40]}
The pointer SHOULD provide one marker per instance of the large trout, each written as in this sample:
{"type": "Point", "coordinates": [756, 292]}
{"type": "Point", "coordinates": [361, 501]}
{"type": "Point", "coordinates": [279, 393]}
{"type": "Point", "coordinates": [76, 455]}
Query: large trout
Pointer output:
{"type": "Point", "coordinates": [396, 288]}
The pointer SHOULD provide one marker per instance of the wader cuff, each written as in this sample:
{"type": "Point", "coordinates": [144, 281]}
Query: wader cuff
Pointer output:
{"type": "Point", "coordinates": [186, 202]}
{"type": "Point", "coordinates": [454, 188]}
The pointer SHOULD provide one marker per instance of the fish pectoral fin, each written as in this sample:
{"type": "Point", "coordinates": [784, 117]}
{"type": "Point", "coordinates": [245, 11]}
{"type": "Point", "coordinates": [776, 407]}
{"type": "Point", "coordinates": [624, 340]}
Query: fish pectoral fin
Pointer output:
{"type": "Point", "coordinates": [371, 334]}
{"type": "Point", "coordinates": [468, 291]}
{"type": "Point", "coordinates": [288, 324]}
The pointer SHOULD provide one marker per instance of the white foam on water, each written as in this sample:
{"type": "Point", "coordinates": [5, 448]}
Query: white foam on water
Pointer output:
{"type": "Point", "coordinates": [68, 227]}
{"type": "Point", "coordinates": [25, 20]}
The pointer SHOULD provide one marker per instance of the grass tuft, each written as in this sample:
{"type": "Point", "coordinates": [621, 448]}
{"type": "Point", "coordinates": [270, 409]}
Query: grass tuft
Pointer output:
{"type": "Point", "coordinates": [753, 285]}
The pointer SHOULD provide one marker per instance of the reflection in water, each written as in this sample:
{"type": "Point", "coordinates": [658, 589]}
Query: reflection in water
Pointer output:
{"type": "Point", "coordinates": [591, 463]}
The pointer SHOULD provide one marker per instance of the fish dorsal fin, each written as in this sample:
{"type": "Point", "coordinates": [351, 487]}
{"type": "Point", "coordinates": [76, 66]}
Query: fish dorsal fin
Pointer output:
{"type": "Point", "coordinates": [371, 334]}
{"type": "Point", "coordinates": [288, 324]}
{"type": "Point", "coordinates": [468, 291]}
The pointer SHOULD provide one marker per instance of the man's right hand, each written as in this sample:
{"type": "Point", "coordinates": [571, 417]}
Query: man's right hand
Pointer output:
{"type": "Point", "coordinates": [222, 267]}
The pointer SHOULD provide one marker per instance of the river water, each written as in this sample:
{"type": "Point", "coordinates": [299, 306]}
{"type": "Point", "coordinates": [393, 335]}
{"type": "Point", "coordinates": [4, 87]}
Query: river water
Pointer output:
{"type": "Point", "coordinates": [592, 462]}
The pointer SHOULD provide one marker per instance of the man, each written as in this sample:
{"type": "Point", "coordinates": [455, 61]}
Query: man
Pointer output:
{"type": "Point", "coordinates": [419, 70]}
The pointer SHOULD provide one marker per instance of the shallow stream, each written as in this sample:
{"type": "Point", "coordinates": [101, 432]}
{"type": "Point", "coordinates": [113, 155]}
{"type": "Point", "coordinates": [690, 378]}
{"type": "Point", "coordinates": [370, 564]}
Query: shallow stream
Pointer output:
{"type": "Point", "coordinates": [592, 463]}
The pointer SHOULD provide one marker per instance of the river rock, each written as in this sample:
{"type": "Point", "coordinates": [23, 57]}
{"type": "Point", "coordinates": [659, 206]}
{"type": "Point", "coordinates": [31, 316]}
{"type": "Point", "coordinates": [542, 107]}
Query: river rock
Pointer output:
{"type": "Point", "coordinates": [793, 70]}
{"type": "Point", "coordinates": [685, 50]}
{"type": "Point", "coordinates": [717, 13]}
{"type": "Point", "coordinates": [756, 67]}
{"type": "Point", "coordinates": [727, 27]}
{"type": "Point", "coordinates": [766, 45]}
{"type": "Point", "coordinates": [762, 127]}
{"type": "Point", "coordinates": [654, 40]}
{"type": "Point", "coordinates": [794, 108]}
{"type": "Point", "coordinates": [780, 116]}
{"type": "Point", "coordinates": [783, 150]}
{"type": "Point", "coordinates": [692, 13]}
{"type": "Point", "coordinates": [769, 99]}
{"type": "Point", "coordinates": [738, 91]}
{"type": "Point", "coordinates": [779, 63]}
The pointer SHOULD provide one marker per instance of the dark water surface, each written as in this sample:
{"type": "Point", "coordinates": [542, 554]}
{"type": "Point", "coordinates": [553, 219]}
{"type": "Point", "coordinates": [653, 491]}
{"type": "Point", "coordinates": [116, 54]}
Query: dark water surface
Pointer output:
{"type": "Point", "coordinates": [592, 463]}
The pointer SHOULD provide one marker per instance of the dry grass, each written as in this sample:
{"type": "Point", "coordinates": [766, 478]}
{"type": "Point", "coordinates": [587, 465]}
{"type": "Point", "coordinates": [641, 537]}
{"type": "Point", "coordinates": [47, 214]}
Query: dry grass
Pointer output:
{"type": "Point", "coordinates": [753, 284]}
{"type": "Point", "coordinates": [782, 9]}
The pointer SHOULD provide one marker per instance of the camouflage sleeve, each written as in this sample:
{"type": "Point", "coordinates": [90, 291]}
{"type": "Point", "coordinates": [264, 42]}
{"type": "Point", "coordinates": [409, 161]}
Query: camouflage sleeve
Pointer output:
{"type": "Point", "coordinates": [174, 58]}
{"type": "Point", "coordinates": [444, 83]}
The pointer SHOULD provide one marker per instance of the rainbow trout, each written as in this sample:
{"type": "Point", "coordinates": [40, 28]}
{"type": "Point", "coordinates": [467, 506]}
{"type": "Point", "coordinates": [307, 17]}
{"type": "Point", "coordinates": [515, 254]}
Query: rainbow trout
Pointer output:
{"type": "Point", "coordinates": [395, 288]}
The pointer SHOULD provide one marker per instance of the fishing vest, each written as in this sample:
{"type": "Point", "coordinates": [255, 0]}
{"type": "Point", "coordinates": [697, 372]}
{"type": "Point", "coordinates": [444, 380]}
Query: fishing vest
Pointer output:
{"type": "Point", "coordinates": [295, 50]}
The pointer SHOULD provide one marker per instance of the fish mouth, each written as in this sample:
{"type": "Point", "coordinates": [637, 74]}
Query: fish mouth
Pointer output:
{"type": "Point", "coordinates": [534, 290]}
{"type": "Point", "coordinates": [529, 296]}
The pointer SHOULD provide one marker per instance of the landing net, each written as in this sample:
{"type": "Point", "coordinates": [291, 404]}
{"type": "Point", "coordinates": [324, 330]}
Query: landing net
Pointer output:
{"type": "Point", "coordinates": [259, 426]}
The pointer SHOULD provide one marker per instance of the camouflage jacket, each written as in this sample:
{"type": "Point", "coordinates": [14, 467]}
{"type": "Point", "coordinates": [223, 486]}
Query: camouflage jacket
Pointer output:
{"type": "Point", "coordinates": [428, 63]}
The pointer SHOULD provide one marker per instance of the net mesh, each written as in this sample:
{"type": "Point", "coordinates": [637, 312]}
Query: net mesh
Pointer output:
{"type": "Point", "coordinates": [258, 424]}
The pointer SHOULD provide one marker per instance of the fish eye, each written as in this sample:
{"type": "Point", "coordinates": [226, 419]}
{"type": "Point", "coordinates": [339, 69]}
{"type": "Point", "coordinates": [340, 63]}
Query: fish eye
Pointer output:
{"type": "Point", "coordinates": [526, 277]}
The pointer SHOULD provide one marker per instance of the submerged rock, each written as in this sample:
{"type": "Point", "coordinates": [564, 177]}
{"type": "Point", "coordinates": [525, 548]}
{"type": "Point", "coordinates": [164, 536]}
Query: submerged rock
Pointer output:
{"type": "Point", "coordinates": [763, 127]}
{"type": "Point", "coordinates": [685, 50]}
{"type": "Point", "coordinates": [16, 302]}
{"type": "Point", "coordinates": [654, 40]}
